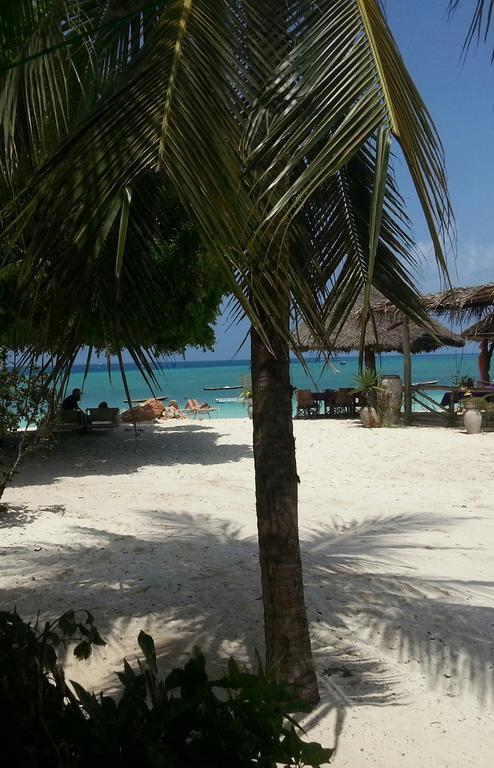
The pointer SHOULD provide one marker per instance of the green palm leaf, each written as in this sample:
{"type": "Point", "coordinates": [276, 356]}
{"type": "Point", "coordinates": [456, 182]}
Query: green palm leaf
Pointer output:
{"type": "Point", "coordinates": [480, 24]}
{"type": "Point", "coordinates": [341, 83]}
{"type": "Point", "coordinates": [328, 77]}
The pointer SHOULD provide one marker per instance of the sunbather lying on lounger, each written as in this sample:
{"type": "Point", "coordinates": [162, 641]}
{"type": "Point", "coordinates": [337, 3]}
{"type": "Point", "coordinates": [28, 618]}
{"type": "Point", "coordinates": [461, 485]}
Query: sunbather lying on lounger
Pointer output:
{"type": "Point", "coordinates": [194, 405]}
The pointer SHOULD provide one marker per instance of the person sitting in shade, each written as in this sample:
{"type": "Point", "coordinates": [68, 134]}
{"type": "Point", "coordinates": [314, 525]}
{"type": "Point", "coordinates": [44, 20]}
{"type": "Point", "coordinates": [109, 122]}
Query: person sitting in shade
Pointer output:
{"type": "Point", "coordinates": [71, 403]}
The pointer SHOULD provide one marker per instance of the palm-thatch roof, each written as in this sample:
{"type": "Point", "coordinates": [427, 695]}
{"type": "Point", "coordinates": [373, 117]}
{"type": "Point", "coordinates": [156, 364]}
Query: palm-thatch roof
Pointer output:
{"type": "Point", "coordinates": [461, 302]}
{"type": "Point", "coordinates": [384, 334]}
{"type": "Point", "coordinates": [483, 330]}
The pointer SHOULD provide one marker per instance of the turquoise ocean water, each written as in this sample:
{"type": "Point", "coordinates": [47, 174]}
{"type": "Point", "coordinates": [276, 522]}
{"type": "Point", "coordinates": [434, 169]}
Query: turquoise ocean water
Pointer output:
{"type": "Point", "coordinates": [182, 380]}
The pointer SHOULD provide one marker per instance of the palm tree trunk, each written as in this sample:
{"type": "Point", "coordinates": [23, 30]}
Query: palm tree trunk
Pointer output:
{"type": "Point", "coordinates": [370, 358]}
{"type": "Point", "coordinates": [288, 648]}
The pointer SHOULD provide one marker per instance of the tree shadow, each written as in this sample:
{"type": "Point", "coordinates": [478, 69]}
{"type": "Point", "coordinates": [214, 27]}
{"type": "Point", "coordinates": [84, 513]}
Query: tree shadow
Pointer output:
{"type": "Point", "coordinates": [117, 452]}
{"type": "Point", "coordinates": [16, 515]}
{"type": "Point", "coordinates": [12, 515]}
{"type": "Point", "coordinates": [172, 582]}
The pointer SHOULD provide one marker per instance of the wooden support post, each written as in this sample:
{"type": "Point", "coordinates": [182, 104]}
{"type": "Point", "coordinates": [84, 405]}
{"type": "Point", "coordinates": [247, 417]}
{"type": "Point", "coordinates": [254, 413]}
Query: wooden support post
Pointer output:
{"type": "Point", "coordinates": [370, 358]}
{"type": "Point", "coordinates": [407, 371]}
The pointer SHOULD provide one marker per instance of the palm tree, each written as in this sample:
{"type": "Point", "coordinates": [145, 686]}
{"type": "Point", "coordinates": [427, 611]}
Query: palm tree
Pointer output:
{"type": "Point", "coordinates": [272, 122]}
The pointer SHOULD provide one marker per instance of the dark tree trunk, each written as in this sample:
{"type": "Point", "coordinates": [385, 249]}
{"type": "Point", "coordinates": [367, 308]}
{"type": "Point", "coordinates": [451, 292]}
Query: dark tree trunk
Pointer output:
{"type": "Point", "coordinates": [370, 358]}
{"type": "Point", "coordinates": [484, 362]}
{"type": "Point", "coordinates": [288, 648]}
{"type": "Point", "coordinates": [407, 371]}
{"type": "Point", "coordinates": [489, 359]}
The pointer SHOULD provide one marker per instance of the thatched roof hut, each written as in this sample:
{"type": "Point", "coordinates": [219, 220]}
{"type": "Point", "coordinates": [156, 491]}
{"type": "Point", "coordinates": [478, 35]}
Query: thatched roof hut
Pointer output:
{"type": "Point", "coordinates": [461, 303]}
{"type": "Point", "coordinates": [483, 333]}
{"type": "Point", "coordinates": [483, 330]}
{"type": "Point", "coordinates": [387, 330]}
{"type": "Point", "coordinates": [458, 303]}
{"type": "Point", "coordinates": [385, 334]}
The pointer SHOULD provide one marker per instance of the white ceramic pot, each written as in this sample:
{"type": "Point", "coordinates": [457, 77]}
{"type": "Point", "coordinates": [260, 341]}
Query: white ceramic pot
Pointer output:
{"type": "Point", "coordinates": [390, 399]}
{"type": "Point", "coordinates": [370, 417]}
{"type": "Point", "coordinates": [250, 407]}
{"type": "Point", "coordinates": [472, 419]}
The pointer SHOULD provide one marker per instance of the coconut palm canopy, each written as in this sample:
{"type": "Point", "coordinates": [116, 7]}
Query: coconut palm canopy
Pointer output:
{"type": "Point", "coordinates": [483, 330]}
{"type": "Point", "coordinates": [385, 334]}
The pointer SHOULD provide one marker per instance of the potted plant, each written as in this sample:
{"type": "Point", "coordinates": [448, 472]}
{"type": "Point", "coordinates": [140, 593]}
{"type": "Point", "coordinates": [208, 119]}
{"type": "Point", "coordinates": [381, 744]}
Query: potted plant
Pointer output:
{"type": "Point", "coordinates": [368, 386]}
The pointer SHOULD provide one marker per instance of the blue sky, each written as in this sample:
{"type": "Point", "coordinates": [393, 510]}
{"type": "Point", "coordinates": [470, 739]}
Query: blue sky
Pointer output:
{"type": "Point", "coordinates": [460, 98]}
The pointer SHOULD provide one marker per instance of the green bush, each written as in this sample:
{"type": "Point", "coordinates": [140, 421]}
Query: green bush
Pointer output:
{"type": "Point", "coordinates": [183, 721]}
{"type": "Point", "coordinates": [22, 396]}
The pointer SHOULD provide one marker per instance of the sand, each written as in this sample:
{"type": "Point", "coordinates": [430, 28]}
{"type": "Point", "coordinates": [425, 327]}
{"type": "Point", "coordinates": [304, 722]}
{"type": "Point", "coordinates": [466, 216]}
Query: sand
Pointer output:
{"type": "Point", "coordinates": [397, 529]}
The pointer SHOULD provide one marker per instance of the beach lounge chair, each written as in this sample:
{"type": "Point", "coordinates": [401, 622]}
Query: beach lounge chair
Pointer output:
{"type": "Point", "coordinates": [194, 408]}
{"type": "Point", "coordinates": [103, 418]}
{"type": "Point", "coordinates": [306, 405]}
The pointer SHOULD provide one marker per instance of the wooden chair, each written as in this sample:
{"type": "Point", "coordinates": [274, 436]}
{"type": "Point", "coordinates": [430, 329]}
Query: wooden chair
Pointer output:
{"type": "Point", "coordinates": [307, 407]}
{"type": "Point", "coordinates": [67, 421]}
{"type": "Point", "coordinates": [103, 418]}
{"type": "Point", "coordinates": [344, 403]}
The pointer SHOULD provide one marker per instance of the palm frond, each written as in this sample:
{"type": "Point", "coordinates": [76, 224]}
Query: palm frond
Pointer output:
{"type": "Point", "coordinates": [185, 116]}
{"type": "Point", "coordinates": [296, 217]}
{"type": "Point", "coordinates": [480, 25]}
{"type": "Point", "coordinates": [339, 232]}
{"type": "Point", "coordinates": [344, 80]}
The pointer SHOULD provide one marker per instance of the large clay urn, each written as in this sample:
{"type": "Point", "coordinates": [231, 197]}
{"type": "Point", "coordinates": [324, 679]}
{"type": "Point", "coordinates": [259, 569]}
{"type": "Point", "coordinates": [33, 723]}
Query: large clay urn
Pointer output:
{"type": "Point", "coordinates": [369, 417]}
{"type": "Point", "coordinates": [250, 407]}
{"type": "Point", "coordinates": [390, 398]}
{"type": "Point", "coordinates": [472, 418]}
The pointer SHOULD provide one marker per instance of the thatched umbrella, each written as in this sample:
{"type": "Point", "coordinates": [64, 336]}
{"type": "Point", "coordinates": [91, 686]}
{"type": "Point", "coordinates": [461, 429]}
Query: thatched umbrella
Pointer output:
{"type": "Point", "coordinates": [483, 332]}
{"type": "Point", "coordinates": [384, 333]}
{"type": "Point", "coordinates": [461, 303]}
{"type": "Point", "coordinates": [387, 330]}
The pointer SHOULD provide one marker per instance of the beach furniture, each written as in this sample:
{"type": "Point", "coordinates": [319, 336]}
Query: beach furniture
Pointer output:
{"type": "Point", "coordinates": [68, 421]}
{"type": "Point", "coordinates": [102, 418]}
{"type": "Point", "coordinates": [307, 405]}
{"type": "Point", "coordinates": [200, 411]}
{"type": "Point", "coordinates": [194, 408]}
{"type": "Point", "coordinates": [345, 403]}
{"type": "Point", "coordinates": [327, 398]}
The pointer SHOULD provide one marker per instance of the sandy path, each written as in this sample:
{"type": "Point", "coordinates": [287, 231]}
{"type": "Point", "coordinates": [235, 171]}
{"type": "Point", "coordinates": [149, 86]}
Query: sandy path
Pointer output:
{"type": "Point", "coordinates": [398, 543]}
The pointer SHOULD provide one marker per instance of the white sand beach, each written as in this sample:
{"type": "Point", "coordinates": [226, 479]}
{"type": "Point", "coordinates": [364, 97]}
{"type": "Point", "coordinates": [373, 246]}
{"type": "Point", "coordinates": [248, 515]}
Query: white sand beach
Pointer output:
{"type": "Point", "coordinates": [397, 529]}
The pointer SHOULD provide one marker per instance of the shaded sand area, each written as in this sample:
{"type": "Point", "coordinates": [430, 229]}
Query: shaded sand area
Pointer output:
{"type": "Point", "coordinates": [397, 531]}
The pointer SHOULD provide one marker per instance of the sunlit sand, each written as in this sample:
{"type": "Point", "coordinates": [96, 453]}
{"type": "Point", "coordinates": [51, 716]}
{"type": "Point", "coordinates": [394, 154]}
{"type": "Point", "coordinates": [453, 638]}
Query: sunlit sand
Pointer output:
{"type": "Point", "coordinates": [397, 529]}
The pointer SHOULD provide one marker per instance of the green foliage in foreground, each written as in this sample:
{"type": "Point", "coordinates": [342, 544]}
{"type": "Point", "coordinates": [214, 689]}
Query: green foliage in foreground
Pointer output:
{"type": "Point", "coordinates": [23, 397]}
{"type": "Point", "coordinates": [183, 721]}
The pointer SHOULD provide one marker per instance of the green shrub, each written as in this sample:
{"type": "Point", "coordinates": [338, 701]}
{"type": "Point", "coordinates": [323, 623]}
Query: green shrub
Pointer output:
{"type": "Point", "coordinates": [22, 396]}
{"type": "Point", "coordinates": [183, 721]}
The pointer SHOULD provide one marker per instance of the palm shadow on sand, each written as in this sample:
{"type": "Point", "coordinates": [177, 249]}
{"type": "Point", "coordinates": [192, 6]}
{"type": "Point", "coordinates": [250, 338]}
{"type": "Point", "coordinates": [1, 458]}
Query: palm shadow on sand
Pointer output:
{"type": "Point", "coordinates": [354, 577]}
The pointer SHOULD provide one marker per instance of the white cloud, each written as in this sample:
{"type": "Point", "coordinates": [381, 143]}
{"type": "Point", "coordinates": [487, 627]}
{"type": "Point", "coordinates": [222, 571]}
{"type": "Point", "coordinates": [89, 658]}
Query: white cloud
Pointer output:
{"type": "Point", "coordinates": [473, 264]}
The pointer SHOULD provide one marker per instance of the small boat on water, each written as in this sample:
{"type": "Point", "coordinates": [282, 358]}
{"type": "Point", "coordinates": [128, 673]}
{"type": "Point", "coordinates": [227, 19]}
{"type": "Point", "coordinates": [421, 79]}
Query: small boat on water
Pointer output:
{"type": "Point", "coordinates": [218, 389]}
{"type": "Point", "coordinates": [230, 399]}
{"type": "Point", "coordinates": [161, 398]}
{"type": "Point", "coordinates": [424, 384]}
